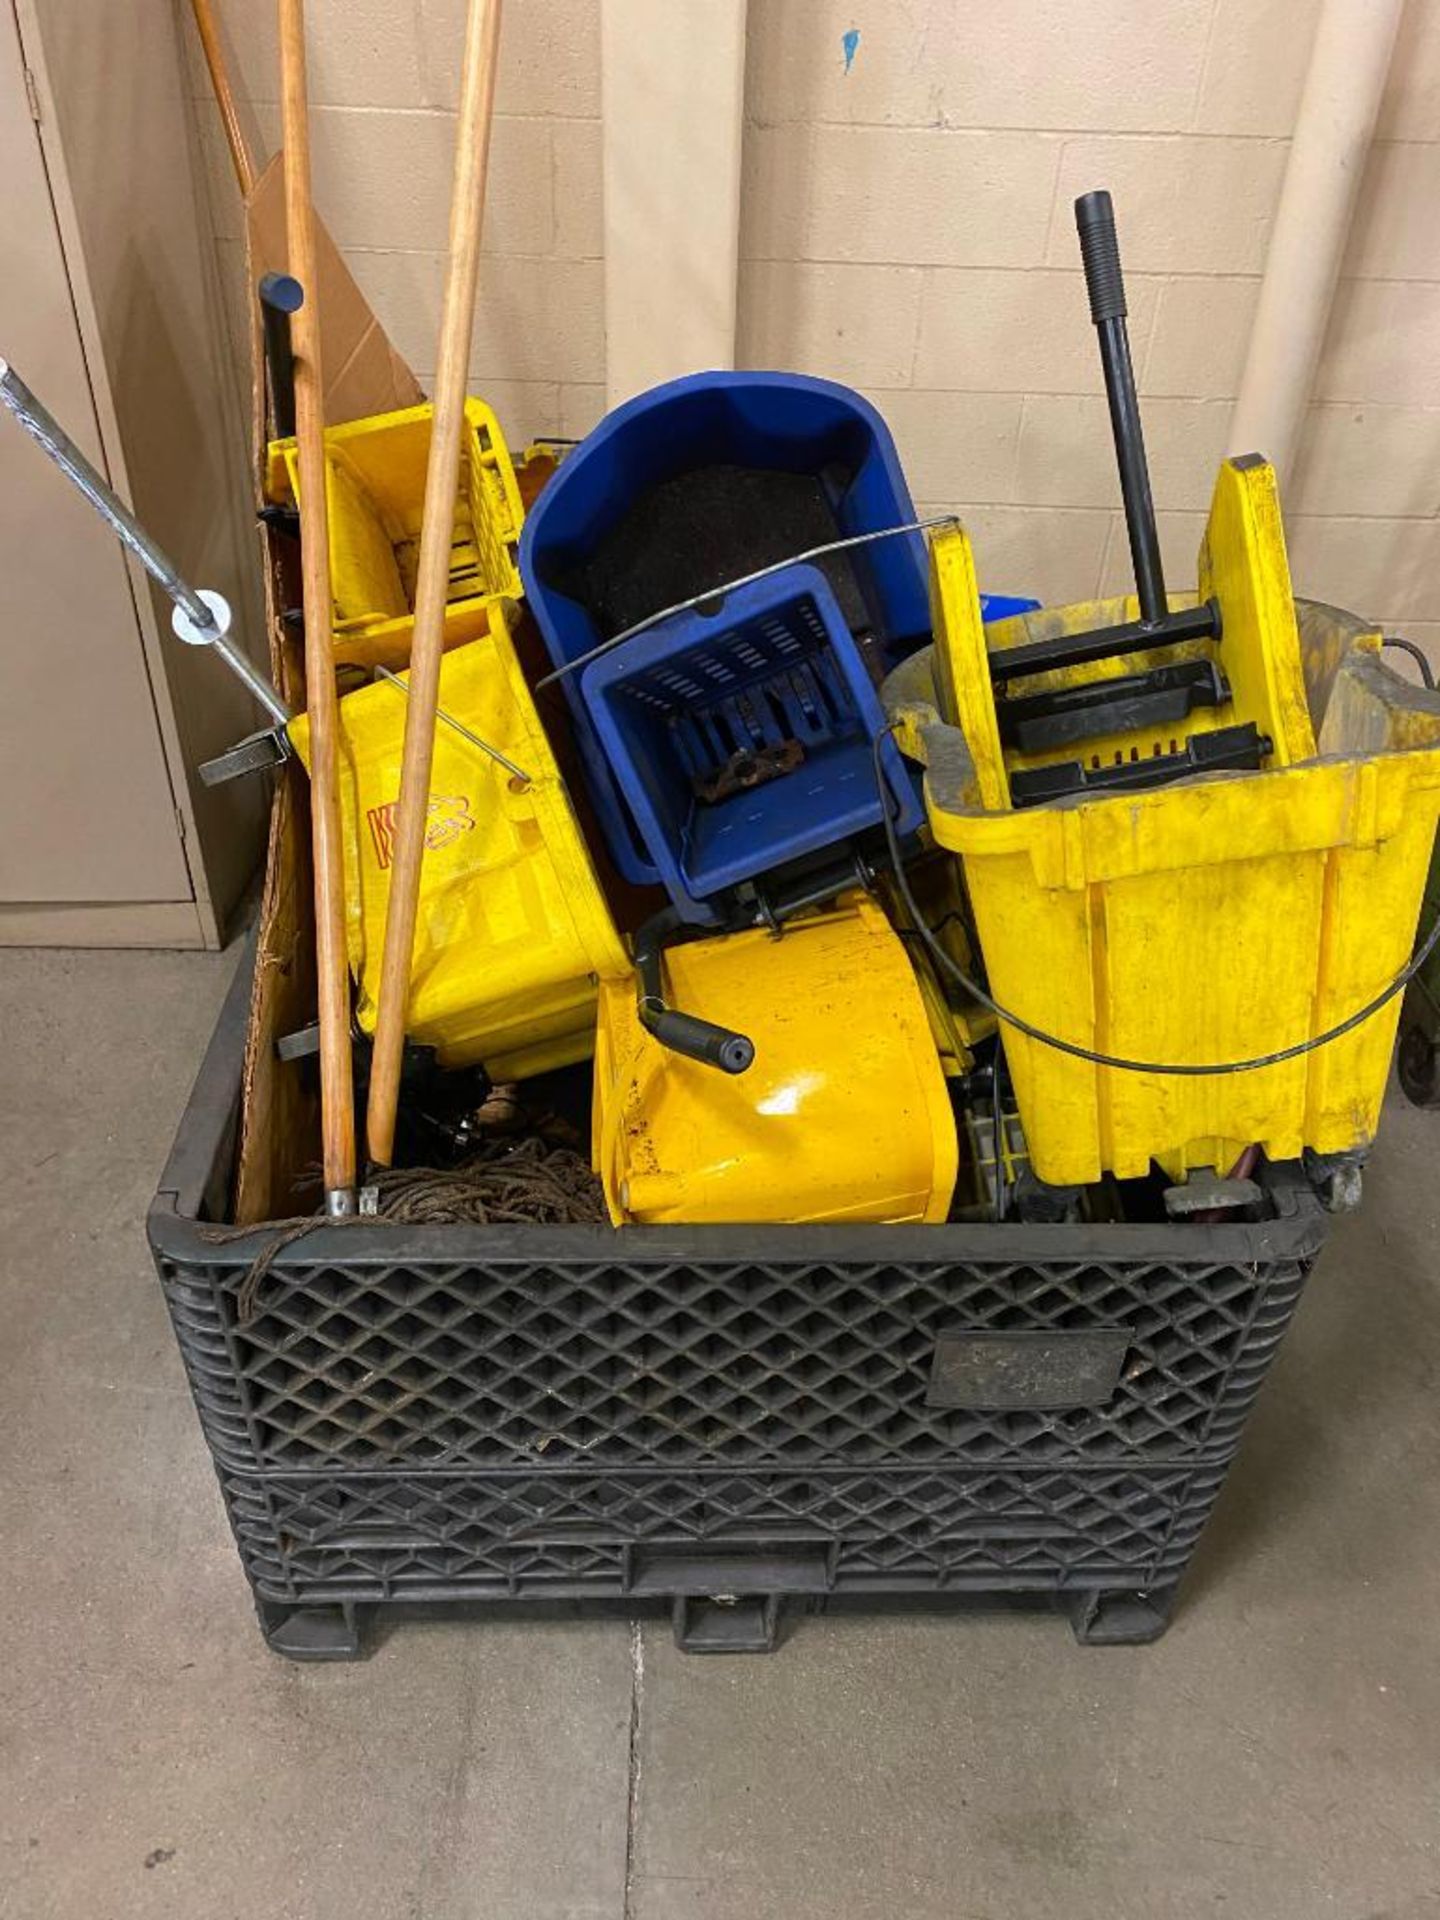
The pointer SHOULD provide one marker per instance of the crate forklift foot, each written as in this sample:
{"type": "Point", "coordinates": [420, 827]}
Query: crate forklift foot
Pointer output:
{"type": "Point", "coordinates": [311, 1633]}
{"type": "Point", "coordinates": [1123, 1617]}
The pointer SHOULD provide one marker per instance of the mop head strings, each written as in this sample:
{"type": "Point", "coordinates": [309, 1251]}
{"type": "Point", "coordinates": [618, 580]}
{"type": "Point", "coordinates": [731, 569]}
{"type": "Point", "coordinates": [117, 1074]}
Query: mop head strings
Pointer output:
{"type": "Point", "coordinates": [529, 1182]}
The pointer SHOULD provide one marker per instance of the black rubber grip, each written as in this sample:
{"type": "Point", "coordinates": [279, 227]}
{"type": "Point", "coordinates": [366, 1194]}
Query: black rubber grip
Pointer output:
{"type": "Point", "coordinates": [701, 1040]}
{"type": "Point", "coordinates": [280, 296]}
{"type": "Point", "coordinates": [1099, 249]}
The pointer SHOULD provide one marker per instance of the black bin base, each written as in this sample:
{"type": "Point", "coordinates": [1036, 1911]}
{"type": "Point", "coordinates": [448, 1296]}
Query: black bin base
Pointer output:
{"type": "Point", "coordinates": [733, 1426]}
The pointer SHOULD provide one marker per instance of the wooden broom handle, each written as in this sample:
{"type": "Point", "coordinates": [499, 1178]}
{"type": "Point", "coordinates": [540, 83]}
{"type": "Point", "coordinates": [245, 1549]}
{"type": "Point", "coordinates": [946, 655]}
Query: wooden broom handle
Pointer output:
{"type": "Point", "coordinates": [337, 1099]}
{"type": "Point", "coordinates": [437, 529]}
{"type": "Point", "coordinates": [240, 154]}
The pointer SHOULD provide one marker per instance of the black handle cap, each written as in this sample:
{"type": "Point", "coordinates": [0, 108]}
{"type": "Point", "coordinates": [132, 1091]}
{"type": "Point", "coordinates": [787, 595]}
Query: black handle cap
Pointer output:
{"type": "Point", "coordinates": [702, 1040]}
{"type": "Point", "coordinates": [281, 292]}
{"type": "Point", "coordinates": [1100, 251]}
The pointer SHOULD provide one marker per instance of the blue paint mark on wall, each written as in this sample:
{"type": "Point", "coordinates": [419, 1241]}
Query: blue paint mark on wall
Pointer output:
{"type": "Point", "coordinates": [850, 41]}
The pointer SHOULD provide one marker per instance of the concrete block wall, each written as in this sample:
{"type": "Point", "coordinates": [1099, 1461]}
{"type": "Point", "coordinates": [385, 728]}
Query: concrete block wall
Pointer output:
{"type": "Point", "coordinates": [384, 78]}
{"type": "Point", "coordinates": [906, 227]}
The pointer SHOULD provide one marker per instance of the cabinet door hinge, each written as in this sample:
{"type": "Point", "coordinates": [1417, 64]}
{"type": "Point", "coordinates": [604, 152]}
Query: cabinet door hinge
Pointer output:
{"type": "Point", "coordinates": [32, 95]}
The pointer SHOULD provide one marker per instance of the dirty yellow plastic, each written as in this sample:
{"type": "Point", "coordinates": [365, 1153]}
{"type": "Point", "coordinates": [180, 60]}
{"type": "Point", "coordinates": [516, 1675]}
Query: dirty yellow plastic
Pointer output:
{"type": "Point", "coordinates": [957, 1022]}
{"type": "Point", "coordinates": [1213, 919]}
{"type": "Point", "coordinates": [842, 1116]}
{"type": "Point", "coordinates": [513, 929]}
{"type": "Point", "coordinates": [376, 494]}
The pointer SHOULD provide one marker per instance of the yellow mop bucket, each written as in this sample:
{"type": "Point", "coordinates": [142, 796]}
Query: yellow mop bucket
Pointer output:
{"type": "Point", "coordinates": [513, 929]}
{"type": "Point", "coordinates": [376, 473]}
{"type": "Point", "coordinates": [1221, 918]}
{"type": "Point", "coordinates": [843, 1114]}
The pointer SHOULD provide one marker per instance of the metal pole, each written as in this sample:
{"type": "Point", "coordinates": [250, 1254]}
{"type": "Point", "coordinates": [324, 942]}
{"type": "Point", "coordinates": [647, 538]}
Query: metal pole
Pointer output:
{"type": "Point", "coordinates": [201, 618]}
{"type": "Point", "coordinates": [217, 638]}
{"type": "Point", "coordinates": [46, 431]}
{"type": "Point", "coordinates": [464, 731]}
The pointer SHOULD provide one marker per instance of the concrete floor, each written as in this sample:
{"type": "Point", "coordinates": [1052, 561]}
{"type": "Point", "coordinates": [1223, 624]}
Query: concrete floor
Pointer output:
{"type": "Point", "coordinates": [1276, 1755]}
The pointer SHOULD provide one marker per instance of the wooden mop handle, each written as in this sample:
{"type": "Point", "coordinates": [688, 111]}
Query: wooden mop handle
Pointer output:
{"type": "Point", "coordinates": [240, 154]}
{"type": "Point", "coordinates": [337, 1099]}
{"type": "Point", "coordinates": [477, 92]}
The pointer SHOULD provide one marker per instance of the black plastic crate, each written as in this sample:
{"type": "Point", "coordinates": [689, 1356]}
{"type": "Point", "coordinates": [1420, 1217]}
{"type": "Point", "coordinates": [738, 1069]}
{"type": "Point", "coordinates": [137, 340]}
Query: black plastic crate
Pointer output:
{"type": "Point", "coordinates": [723, 1418]}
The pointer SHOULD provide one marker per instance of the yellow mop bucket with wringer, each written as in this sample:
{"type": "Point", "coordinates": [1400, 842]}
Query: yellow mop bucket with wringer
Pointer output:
{"type": "Point", "coordinates": [1216, 920]}
{"type": "Point", "coordinates": [1195, 830]}
{"type": "Point", "coordinates": [375, 493]}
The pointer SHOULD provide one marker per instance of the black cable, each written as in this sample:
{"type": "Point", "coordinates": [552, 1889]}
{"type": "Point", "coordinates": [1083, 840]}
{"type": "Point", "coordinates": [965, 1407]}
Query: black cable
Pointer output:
{"type": "Point", "coordinates": [1182, 1070]}
{"type": "Point", "coordinates": [1427, 674]}
{"type": "Point", "coordinates": [953, 917]}
{"type": "Point", "coordinates": [997, 1107]}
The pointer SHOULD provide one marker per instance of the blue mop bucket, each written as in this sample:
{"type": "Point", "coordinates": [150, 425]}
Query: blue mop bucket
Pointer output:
{"type": "Point", "coordinates": [775, 424]}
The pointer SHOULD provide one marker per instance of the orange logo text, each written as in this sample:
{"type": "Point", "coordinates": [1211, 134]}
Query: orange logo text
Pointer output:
{"type": "Point", "coordinates": [447, 817]}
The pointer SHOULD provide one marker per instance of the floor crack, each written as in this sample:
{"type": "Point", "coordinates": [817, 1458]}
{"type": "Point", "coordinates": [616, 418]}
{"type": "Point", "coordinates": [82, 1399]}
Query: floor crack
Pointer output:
{"type": "Point", "coordinates": [632, 1801]}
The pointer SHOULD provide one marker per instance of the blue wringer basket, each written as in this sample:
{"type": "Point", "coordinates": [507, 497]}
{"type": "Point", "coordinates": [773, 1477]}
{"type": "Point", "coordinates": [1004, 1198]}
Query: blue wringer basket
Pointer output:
{"type": "Point", "coordinates": [742, 735]}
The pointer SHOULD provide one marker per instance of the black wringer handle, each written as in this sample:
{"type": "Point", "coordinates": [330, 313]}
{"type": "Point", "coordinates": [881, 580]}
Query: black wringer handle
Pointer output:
{"type": "Point", "coordinates": [1095, 223]}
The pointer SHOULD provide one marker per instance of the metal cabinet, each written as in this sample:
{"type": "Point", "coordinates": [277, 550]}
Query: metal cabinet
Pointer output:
{"type": "Point", "coordinates": [110, 309]}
